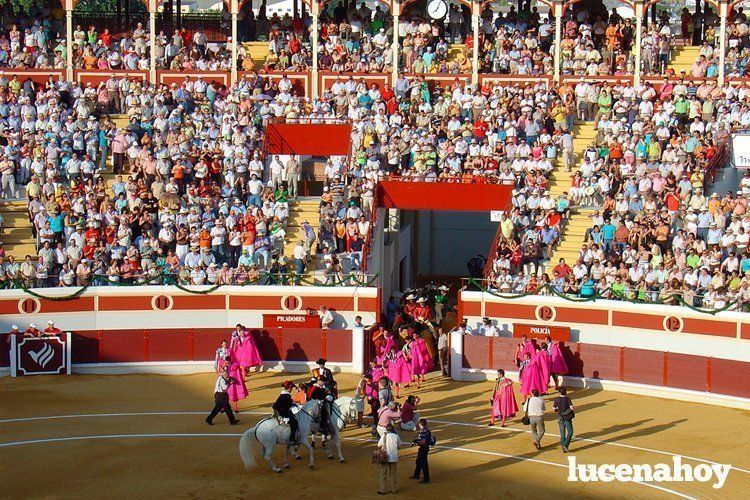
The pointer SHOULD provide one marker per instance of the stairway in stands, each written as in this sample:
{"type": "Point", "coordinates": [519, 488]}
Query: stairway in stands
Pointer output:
{"type": "Point", "coordinates": [120, 121]}
{"type": "Point", "coordinates": [17, 238]}
{"type": "Point", "coordinates": [573, 234]}
{"type": "Point", "coordinates": [683, 58]}
{"type": "Point", "coordinates": [304, 208]}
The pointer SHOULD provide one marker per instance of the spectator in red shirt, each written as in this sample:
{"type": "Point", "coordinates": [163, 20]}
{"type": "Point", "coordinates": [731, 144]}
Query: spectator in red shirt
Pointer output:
{"type": "Point", "coordinates": [562, 269]}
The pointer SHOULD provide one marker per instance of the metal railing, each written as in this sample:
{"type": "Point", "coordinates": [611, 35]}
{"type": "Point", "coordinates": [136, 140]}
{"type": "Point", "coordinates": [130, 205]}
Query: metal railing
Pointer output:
{"type": "Point", "coordinates": [175, 279]}
{"type": "Point", "coordinates": [628, 293]}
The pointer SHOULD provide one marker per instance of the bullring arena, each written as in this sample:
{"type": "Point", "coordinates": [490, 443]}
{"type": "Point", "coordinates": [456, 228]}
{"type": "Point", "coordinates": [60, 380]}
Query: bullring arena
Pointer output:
{"type": "Point", "coordinates": [426, 228]}
{"type": "Point", "coordinates": [143, 434]}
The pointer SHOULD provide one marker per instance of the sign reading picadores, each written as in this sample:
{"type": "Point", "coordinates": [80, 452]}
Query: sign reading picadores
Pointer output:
{"type": "Point", "coordinates": [648, 473]}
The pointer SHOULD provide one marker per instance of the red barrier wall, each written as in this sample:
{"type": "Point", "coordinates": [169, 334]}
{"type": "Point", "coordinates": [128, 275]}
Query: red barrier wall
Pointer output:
{"type": "Point", "coordinates": [131, 346]}
{"type": "Point", "coordinates": [681, 371]}
{"type": "Point", "coordinates": [444, 196]}
{"type": "Point", "coordinates": [323, 139]}
{"type": "Point", "coordinates": [38, 76]}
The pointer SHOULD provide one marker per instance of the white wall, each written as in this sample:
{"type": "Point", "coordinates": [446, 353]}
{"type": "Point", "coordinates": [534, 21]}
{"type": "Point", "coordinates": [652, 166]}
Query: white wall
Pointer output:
{"type": "Point", "coordinates": [660, 340]}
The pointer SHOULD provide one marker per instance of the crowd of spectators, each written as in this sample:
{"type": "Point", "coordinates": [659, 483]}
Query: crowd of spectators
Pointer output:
{"type": "Point", "coordinates": [36, 40]}
{"type": "Point", "coordinates": [656, 235]}
{"type": "Point", "coordinates": [182, 50]}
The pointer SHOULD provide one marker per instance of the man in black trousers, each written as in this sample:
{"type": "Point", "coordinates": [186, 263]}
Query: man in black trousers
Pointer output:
{"type": "Point", "coordinates": [424, 440]}
{"type": "Point", "coordinates": [221, 398]}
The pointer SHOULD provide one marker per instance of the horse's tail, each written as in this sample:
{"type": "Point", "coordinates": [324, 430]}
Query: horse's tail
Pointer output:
{"type": "Point", "coordinates": [246, 447]}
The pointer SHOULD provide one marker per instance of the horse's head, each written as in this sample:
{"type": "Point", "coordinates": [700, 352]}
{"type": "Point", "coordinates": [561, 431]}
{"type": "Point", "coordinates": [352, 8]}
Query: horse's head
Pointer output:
{"type": "Point", "coordinates": [347, 409]}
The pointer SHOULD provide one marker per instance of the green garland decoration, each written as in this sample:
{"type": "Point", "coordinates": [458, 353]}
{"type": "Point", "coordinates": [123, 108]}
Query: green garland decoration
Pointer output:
{"type": "Point", "coordinates": [274, 279]}
{"type": "Point", "coordinates": [72, 296]}
{"type": "Point", "coordinates": [597, 296]}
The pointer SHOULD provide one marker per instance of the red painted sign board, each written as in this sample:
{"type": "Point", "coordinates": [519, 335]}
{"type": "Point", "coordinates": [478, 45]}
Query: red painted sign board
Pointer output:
{"type": "Point", "coordinates": [291, 320]}
{"type": "Point", "coordinates": [40, 355]}
{"type": "Point", "coordinates": [558, 333]}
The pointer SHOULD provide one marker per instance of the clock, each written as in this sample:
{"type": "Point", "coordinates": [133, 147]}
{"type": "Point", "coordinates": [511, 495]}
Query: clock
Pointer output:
{"type": "Point", "coordinates": [437, 9]}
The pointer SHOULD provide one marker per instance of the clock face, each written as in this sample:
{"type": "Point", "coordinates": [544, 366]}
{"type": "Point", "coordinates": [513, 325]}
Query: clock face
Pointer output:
{"type": "Point", "coordinates": [437, 9]}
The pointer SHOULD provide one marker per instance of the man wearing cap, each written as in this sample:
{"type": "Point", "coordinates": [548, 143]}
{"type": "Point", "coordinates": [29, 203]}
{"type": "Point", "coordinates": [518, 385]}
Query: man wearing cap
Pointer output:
{"type": "Point", "coordinates": [488, 329]}
{"type": "Point", "coordinates": [52, 330]}
{"type": "Point", "coordinates": [14, 332]}
{"type": "Point", "coordinates": [421, 313]}
{"type": "Point", "coordinates": [283, 407]}
{"type": "Point", "coordinates": [321, 393]}
{"type": "Point", "coordinates": [326, 375]}
{"type": "Point", "coordinates": [32, 331]}
{"type": "Point", "coordinates": [441, 300]}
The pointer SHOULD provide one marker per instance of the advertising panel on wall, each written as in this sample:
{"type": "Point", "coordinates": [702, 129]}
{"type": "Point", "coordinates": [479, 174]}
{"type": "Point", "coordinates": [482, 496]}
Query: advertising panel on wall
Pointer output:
{"type": "Point", "coordinates": [40, 355]}
{"type": "Point", "coordinates": [558, 333]}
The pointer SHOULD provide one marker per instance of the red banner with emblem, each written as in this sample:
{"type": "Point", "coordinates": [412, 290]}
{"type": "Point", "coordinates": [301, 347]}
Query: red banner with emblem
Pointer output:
{"type": "Point", "coordinates": [40, 355]}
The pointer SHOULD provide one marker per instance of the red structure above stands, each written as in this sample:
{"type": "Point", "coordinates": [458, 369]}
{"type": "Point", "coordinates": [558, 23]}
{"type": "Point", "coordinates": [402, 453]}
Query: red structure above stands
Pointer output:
{"type": "Point", "coordinates": [317, 139]}
{"type": "Point", "coordinates": [456, 196]}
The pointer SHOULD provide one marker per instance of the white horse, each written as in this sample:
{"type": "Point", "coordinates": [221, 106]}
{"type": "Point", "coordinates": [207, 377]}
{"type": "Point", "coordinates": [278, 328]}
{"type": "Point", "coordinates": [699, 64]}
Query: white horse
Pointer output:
{"type": "Point", "coordinates": [269, 432]}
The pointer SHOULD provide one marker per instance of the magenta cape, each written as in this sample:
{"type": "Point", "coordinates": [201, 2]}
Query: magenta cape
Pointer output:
{"type": "Point", "coordinates": [531, 378]}
{"type": "Point", "coordinates": [398, 370]}
{"type": "Point", "coordinates": [544, 359]}
{"type": "Point", "coordinates": [559, 366]}
{"type": "Point", "coordinates": [389, 343]}
{"type": "Point", "coordinates": [421, 361]}
{"type": "Point", "coordinates": [526, 347]}
{"type": "Point", "coordinates": [504, 402]}
{"type": "Point", "coordinates": [247, 352]}
{"type": "Point", "coordinates": [238, 390]}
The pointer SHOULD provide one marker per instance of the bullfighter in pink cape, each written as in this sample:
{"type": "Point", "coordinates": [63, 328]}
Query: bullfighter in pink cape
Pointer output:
{"type": "Point", "coordinates": [243, 344]}
{"type": "Point", "coordinates": [559, 366]}
{"type": "Point", "coordinates": [523, 347]}
{"type": "Point", "coordinates": [503, 399]}
{"type": "Point", "coordinates": [397, 370]}
{"type": "Point", "coordinates": [390, 343]}
{"type": "Point", "coordinates": [531, 377]}
{"type": "Point", "coordinates": [544, 359]}
{"type": "Point", "coordinates": [237, 389]}
{"type": "Point", "coordinates": [221, 356]}
{"type": "Point", "coordinates": [421, 362]}
{"type": "Point", "coordinates": [376, 372]}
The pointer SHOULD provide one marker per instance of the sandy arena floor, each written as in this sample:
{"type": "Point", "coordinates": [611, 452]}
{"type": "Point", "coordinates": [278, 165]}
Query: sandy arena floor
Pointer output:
{"type": "Point", "coordinates": [141, 436]}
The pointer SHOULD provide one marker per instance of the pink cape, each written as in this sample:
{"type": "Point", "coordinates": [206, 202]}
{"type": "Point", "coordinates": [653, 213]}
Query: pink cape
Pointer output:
{"type": "Point", "coordinates": [371, 390]}
{"type": "Point", "coordinates": [559, 366]}
{"type": "Point", "coordinates": [527, 347]}
{"type": "Point", "coordinates": [398, 370]}
{"type": "Point", "coordinates": [545, 363]}
{"type": "Point", "coordinates": [238, 390]}
{"type": "Point", "coordinates": [247, 352]}
{"type": "Point", "coordinates": [389, 343]}
{"type": "Point", "coordinates": [504, 402]}
{"type": "Point", "coordinates": [421, 361]}
{"type": "Point", "coordinates": [531, 378]}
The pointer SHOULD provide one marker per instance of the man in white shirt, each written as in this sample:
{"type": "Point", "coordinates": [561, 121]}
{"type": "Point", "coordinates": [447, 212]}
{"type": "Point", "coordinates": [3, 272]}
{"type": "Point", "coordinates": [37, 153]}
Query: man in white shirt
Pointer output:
{"type": "Point", "coordinates": [488, 329]}
{"type": "Point", "coordinates": [390, 441]}
{"type": "Point", "coordinates": [534, 408]}
{"type": "Point", "coordinates": [221, 398]}
{"type": "Point", "coordinates": [326, 318]}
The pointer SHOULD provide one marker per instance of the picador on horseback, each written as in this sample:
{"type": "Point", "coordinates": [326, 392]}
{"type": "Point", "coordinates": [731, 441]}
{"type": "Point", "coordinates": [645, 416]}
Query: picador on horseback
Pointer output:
{"type": "Point", "coordinates": [283, 408]}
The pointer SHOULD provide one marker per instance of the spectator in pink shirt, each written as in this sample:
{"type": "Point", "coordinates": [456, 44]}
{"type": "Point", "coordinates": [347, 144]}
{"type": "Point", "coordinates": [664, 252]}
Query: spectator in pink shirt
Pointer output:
{"type": "Point", "coordinates": [387, 415]}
